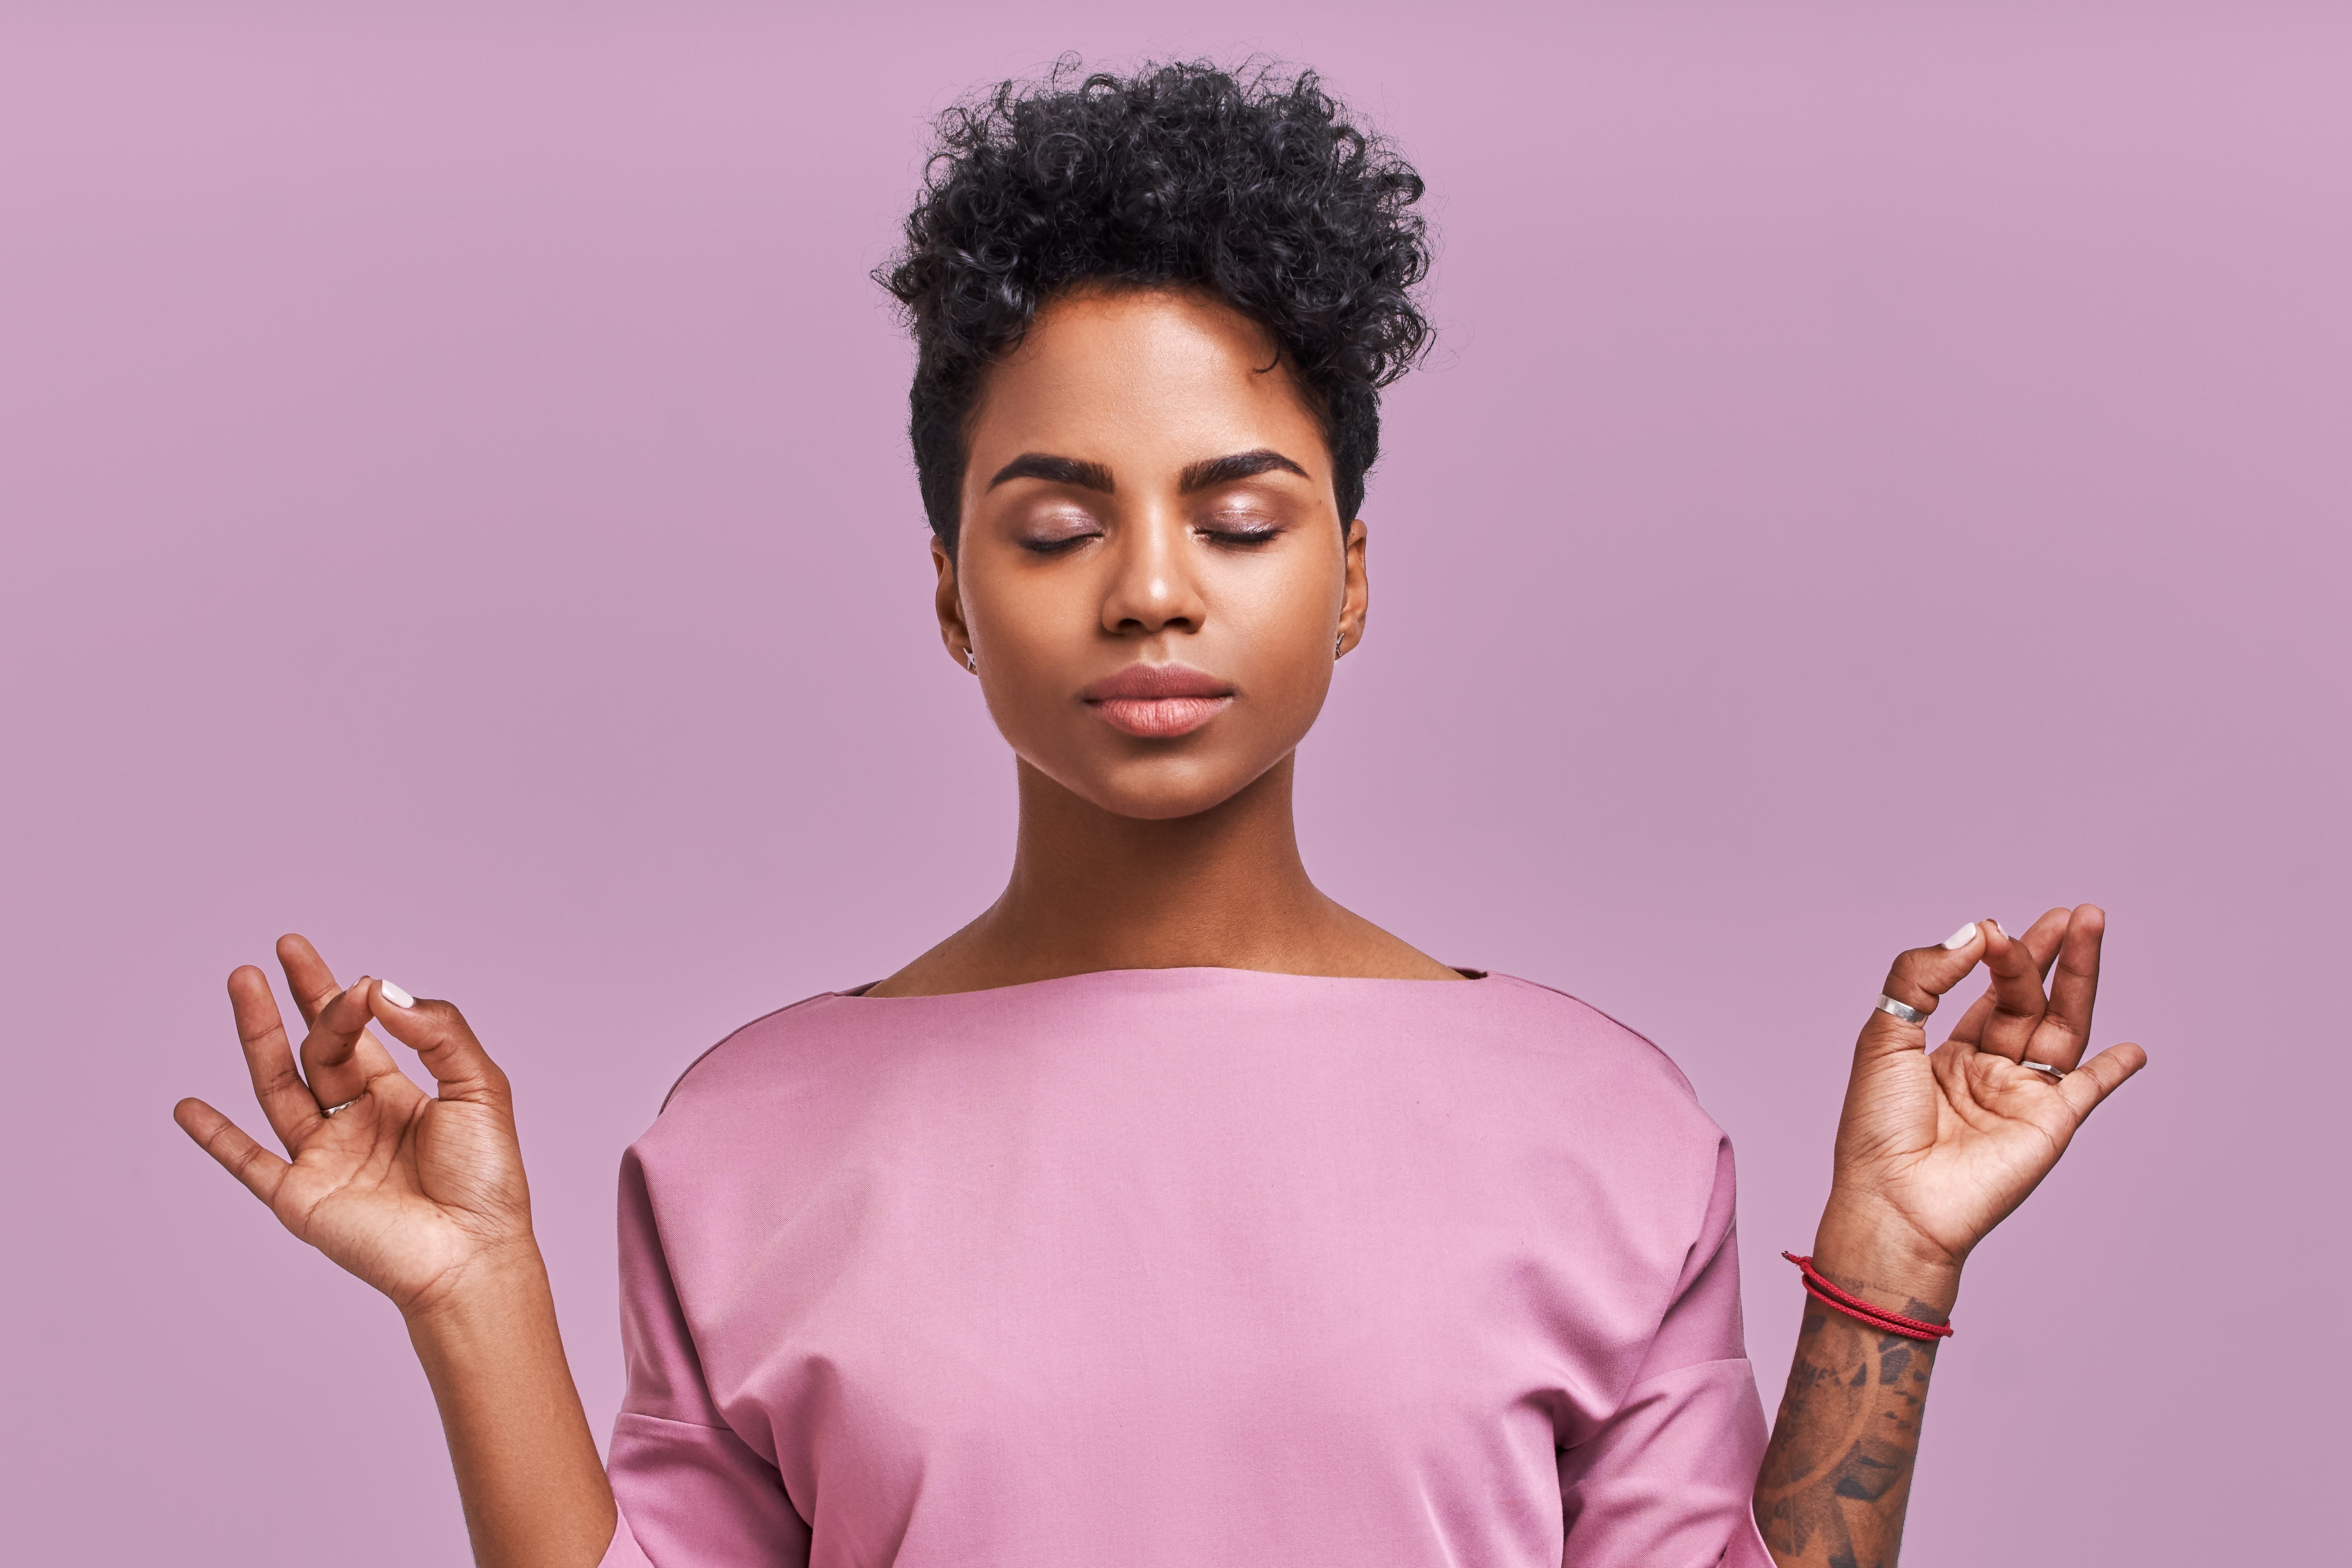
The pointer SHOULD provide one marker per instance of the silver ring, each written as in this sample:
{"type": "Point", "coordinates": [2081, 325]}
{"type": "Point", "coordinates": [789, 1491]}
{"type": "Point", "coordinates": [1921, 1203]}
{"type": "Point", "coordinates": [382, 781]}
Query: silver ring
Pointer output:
{"type": "Point", "coordinates": [2055, 1073]}
{"type": "Point", "coordinates": [1903, 1011]}
{"type": "Point", "coordinates": [346, 1105]}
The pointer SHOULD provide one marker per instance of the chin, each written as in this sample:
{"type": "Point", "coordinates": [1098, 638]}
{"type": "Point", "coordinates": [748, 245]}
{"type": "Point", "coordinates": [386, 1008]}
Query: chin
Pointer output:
{"type": "Point", "coordinates": [1157, 789]}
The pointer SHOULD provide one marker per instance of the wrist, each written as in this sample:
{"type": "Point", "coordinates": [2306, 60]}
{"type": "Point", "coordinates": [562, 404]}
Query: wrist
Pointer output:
{"type": "Point", "coordinates": [1874, 1253]}
{"type": "Point", "coordinates": [482, 1295]}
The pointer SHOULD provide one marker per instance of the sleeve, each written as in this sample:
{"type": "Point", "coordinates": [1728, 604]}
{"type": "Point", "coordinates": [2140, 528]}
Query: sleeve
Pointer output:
{"type": "Point", "coordinates": [1668, 1477]}
{"type": "Point", "coordinates": [690, 1492]}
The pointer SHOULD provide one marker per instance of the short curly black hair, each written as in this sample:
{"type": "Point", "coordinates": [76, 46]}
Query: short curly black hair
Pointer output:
{"type": "Point", "coordinates": [1255, 185]}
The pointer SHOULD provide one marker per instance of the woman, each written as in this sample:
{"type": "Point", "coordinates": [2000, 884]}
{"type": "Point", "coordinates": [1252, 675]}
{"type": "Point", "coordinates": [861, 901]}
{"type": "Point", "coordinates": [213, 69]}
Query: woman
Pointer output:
{"type": "Point", "coordinates": [1169, 1212]}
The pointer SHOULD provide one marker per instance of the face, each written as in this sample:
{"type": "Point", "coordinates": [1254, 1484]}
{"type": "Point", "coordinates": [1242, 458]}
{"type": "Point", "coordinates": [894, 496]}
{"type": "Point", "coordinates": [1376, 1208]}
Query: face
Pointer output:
{"type": "Point", "coordinates": [1151, 575]}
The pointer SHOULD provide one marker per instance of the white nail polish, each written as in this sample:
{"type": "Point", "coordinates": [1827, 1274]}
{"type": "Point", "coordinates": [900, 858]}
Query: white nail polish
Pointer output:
{"type": "Point", "coordinates": [1961, 938]}
{"type": "Point", "coordinates": [394, 995]}
{"type": "Point", "coordinates": [1995, 925]}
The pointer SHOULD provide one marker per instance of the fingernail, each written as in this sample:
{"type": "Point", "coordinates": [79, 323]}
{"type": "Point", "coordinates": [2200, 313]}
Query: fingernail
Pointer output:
{"type": "Point", "coordinates": [1995, 925]}
{"type": "Point", "coordinates": [394, 995]}
{"type": "Point", "coordinates": [1960, 938]}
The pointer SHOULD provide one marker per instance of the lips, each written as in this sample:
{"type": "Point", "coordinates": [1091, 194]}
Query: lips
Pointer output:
{"type": "Point", "coordinates": [1159, 702]}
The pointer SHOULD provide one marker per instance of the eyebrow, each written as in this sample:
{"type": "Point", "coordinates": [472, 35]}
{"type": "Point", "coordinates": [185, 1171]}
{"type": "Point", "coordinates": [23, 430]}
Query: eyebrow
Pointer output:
{"type": "Point", "coordinates": [1201, 476]}
{"type": "Point", "coordinates": [1056, 470]}
{"type": "Point", "coordinates": [1215, 471]}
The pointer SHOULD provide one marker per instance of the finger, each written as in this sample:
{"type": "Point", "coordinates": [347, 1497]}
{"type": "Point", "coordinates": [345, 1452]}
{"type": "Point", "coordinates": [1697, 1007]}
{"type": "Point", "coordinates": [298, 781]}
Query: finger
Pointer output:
{"type": "Point", "coordinates": [283, 1097]}
{"type": "Point", "coordinates": [1917, 978]}
{"type": "Point", "coordinates": [315, 989]}
{"type": "Point", "coordinates": [2042, 939]}
{"type": "Point", "coordinates": [441, 1039]}
{"type": "Point", "coordinates": [225, 1140]}
{"type": "Point", "coordinates": [338, 1058]}
{"type": "Point", "coordinates": [312, 984]}
{"type": "Point", "coordinates": [2065, 1032]}
{"type": "Point", "coordinates": [2017, 1001]}
{"type": "Point", "coordinates": [1970, 1028]}
{"type": "Point", "coordinates": [2100, 1077]}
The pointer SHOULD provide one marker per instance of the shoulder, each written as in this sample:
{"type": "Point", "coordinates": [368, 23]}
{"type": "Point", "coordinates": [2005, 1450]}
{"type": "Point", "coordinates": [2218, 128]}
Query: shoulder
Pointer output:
{"type": "Point", "coordinates": [1514, 1049]}
{"type": "Point", "coordinates": [1591, 1075]}
{"type": "Point", "coordinates": [1565, 1032]}
{"type": "Point", "coordinates": [1576, 1025]}
{"type": "Point", "coordinates": [753, 1047]}
{"type": "Point", "coordinates": [1614, 1099]}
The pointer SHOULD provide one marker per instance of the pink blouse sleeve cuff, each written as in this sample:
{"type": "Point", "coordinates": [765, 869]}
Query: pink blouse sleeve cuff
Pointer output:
{"type": "Point", "coordinates": [623, 1552]}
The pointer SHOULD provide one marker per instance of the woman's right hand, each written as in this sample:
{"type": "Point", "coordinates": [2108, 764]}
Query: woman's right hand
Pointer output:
{"type": "Point", "coordinates": [414, 1193]}
{"type": "Point", "coordinates": [424, 1198]}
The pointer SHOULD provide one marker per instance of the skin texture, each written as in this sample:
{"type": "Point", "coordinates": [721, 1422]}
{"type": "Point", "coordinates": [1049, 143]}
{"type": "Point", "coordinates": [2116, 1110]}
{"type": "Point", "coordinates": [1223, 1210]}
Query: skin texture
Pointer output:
{"type": "Point", "coordinates": [1099, 533]}
{"type": "Point", "coordinates": [423, 1197]}
{"type": "Point", "coordinates": [1837, 1478]}
{"type": "Point", "coordinates": [1146, 853]}
{"type": "Point", "coordinates": [1933, 1150]}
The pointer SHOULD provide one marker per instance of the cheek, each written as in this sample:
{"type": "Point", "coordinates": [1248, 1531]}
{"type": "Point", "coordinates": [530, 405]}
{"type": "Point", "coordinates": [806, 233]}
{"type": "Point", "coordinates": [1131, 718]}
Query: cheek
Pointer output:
{"type": "Point", "coordinates": [1031, 641]}
{"type": "Point", "coordinates": [1284, 619]}
{"type": "Point", "coordinates": [1281, 635]}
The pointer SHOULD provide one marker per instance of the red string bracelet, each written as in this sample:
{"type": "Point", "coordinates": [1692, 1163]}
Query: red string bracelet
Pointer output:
{"type": "Point", "coordinates": [1818, 1286]}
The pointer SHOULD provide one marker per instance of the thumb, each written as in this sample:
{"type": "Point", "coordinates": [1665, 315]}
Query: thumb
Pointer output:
{"type": "Point", "coordinates": [1917, 979]}
{"type": "Point", "coordinates": [444, 1042]}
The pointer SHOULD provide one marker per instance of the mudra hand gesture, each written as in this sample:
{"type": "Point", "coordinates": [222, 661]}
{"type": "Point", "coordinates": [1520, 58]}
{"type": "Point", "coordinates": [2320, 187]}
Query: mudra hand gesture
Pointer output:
{"type": "Point", "coordinates": [423, 1197]}
{"type": "Point", "coordinates": [1933, 1149]}
{"type": "Point", "coordinates": [410, 1192]}
{"type": "Point", "coordinates": [1936, 1148]}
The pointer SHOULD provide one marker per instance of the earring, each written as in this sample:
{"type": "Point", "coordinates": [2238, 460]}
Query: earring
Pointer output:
{"type": "Point", "coordinates": [1337, 643]}
{"type": "Point", "coordinates": [971, 662]}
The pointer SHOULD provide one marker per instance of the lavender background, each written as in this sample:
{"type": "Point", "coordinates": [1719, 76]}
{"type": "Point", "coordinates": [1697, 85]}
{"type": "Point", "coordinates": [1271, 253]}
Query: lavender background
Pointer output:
{"type": "Point", "coordinates": [1887, 466]}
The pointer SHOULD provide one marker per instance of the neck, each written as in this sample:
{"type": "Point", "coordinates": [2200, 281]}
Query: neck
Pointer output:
{"type": "Point", "coordinates": [1091, 890]}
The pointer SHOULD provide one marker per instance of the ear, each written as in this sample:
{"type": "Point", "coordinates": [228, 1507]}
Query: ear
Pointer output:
{"type": "Point", "coordinates": [1355, 597]}
{"type": "Point", "coordinates": [948, 600]}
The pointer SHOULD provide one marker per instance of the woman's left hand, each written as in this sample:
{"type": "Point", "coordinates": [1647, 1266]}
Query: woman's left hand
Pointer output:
{"type": "Point", "coordinates": [1935, 1148]}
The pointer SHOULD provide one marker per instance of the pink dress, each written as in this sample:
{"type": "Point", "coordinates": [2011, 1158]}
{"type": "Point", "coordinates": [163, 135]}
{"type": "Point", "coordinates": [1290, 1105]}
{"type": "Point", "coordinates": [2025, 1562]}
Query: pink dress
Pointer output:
{"type": "Point", "coordinates": [1184, 1266]}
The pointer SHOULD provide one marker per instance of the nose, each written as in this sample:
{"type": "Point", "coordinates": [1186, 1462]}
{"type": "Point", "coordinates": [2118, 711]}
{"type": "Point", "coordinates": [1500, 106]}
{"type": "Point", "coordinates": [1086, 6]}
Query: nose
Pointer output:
{"type": "Point", "coordinates": [1152, 586]}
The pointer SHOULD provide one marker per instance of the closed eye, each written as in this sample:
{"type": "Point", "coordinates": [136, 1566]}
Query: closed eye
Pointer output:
{"type": "Point", "coordinates": [1061, 546]}
{"type": "Point", "coordinates": [1244, 535]}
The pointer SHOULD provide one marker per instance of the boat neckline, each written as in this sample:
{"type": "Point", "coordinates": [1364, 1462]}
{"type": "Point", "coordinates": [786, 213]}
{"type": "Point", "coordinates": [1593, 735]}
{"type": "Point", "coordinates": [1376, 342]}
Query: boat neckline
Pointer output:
{"type": "Point", "coordinates": [858, 994]}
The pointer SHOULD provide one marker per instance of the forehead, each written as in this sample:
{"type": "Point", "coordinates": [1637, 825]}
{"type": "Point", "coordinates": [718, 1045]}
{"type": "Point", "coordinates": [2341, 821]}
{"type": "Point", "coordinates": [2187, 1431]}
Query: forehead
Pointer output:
{"type": "Point", "coordinates": [1163, 375]}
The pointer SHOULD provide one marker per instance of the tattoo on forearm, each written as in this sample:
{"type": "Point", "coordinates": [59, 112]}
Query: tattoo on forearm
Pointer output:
{"type": "Point", "coordinates": [1837, 1477]}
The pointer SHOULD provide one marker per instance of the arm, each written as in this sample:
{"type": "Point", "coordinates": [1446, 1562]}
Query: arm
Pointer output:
{"type": "Point", "coordinates": [533, 1490]}
{"type": "Point", "coordinates": [1933, 1150]}
{"type": "Point", "coordinates": [1836, 1477]}
{"type": "Point", "coordinates": [423, 1197]}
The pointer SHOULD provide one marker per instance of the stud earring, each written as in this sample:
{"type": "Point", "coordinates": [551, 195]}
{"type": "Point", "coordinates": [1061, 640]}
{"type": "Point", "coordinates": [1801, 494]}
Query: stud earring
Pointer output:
{"type": "Point", "coordinates": [971, 662]}
{"type": "Point", "coordinates": [1339, 643]}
